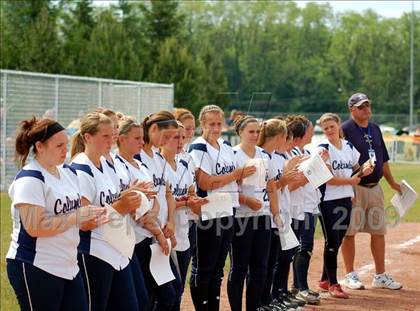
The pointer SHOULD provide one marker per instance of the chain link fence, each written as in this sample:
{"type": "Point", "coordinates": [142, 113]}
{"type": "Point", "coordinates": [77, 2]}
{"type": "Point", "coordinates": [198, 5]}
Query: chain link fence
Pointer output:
{"type": "Point", "coordinates": [67, 98]}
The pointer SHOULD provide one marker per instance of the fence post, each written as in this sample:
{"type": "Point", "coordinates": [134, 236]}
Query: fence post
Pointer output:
{"type": "Point", "coordinates": [56, 99]}
{"type": "Point", "coordinates": [394, 151]}
{"type": "Point", "coordinates": [4, 134]}
{"type": "Point", "coordinates": [100, 94]}
{"type": "Point", "coordinates": [173, 95]}
{"type": "Point", "coordinates": [139, 103]}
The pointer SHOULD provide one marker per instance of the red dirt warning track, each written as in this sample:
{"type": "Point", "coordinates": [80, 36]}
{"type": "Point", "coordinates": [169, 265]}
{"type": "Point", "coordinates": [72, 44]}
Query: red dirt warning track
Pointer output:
{"type": "Point", "coordinates": [402, 263]}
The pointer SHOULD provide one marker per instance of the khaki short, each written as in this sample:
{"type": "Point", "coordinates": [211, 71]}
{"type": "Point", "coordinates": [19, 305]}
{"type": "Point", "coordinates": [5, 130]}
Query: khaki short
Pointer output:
{"type": "Point", "coordinates": [368, 213]}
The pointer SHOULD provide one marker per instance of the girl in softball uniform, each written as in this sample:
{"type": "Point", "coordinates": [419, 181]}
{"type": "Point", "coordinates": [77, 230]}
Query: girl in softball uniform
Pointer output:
{"type": "Point", "coordinates": [305, 200]}
{"type": "Point", "coordinates": [252, 226]}
{"type": "Point", "coordinates": [183, 191]}
{"type": "Point", "coordinates": [158, 128]}
{"type": "Point", "coordinates": [274, 138]}
{"type": "Point", "coordinates": [336, 199]}
{"type": "Point", "coordinates": [188, 121]}
{"type": "Point", "coordinates": [216, 171]}
{"type": "Point", "coordinates": [46, 211]}
{"type": "Point", "coordinates": [106, 272]}
{"type": "Point", "coordinates": [130, 142]}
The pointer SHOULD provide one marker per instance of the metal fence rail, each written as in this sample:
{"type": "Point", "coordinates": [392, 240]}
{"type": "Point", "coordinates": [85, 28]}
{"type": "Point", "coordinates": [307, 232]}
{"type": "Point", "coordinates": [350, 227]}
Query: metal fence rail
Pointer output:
{"type": "Point", "coordinates": [66, 98]}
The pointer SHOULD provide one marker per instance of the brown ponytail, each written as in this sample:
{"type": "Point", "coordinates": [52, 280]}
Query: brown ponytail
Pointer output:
{"type": "Point", "coordinates": [242, 121]}
{"type": "Point", "coordinates": [28, 133]}
{"type": "Point", "coordinates": [182, 114]}
{"type": "Point", "coordinates": [271, 128]}
{"type": "Point", "coordinates": [106, 111]}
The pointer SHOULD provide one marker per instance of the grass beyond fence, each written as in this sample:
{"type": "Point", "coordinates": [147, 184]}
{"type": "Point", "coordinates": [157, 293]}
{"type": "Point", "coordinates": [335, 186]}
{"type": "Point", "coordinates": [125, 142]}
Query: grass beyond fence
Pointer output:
{"type": "Point", "coordinates": [8, 302]}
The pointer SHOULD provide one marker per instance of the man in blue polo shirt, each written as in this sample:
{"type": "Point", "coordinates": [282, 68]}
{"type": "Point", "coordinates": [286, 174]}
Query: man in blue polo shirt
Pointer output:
{"type": "Point", "coordinates": [368, 214]}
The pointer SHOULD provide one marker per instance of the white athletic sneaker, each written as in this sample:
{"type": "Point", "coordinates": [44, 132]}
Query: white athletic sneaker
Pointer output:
{"type": "Point", "coordinates": [385, 281]}
{"type": "Point", "coordinates": [352, 281]}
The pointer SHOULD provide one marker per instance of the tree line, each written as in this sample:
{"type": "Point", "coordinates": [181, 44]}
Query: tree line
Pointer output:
{"type": "Point", "coordinates": [306, 59]}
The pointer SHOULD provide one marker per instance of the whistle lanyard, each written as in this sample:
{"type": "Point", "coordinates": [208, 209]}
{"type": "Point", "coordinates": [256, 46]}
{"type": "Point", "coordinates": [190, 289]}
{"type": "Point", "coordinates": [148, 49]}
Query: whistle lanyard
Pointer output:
{"type": "Point", "coordinates": [367, 136]}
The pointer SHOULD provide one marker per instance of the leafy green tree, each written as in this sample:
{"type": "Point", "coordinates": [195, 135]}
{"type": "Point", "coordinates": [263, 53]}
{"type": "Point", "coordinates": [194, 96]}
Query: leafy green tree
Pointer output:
{"type": "Point", "coordinates": [110, 51]}
{"type": "Point", "coordinates": [78, 24]}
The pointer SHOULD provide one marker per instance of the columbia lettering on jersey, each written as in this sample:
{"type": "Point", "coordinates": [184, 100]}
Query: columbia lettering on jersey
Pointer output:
{"type": "Point", "coordinates": [68, 205]}
{"type": "Point", "coordinates": [225, 169]}
{"type": "Point", "coordinates": [107, 197]}
{"type": "Point", "coordinates": [180, 191]}
{"type": "Point", "coordinates": [157, 169]}
{"type": "Point", "coordinates": [340, 165]}
{"type": "Point", "coordinates": [158, 181]}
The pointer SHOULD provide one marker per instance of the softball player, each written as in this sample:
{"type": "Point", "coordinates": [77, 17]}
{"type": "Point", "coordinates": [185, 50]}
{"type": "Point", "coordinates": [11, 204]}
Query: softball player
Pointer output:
{"type": "Point", "coordinates": [275, 138]}
{"type": "Point", "coordinates": [130, 142]}
{"type": "Point", "coordinates": [336, 199]}
{"type": "Point", "coordinates": [188, 121]}
{"type": "Point", "coordinates": [46, 211]}
{"type": "Point", "coordinates": [158, 129]}
{"type": "Point", "coordinates": [305, 200]}
{"type": "Point", "coordinates": [252, 225]}
{"type": "Point", "coordinates": [107, 276]}
{"type": "Point", "coordinates": [216, 171]}
{"type": "Point", "coordinates": [183, 191]}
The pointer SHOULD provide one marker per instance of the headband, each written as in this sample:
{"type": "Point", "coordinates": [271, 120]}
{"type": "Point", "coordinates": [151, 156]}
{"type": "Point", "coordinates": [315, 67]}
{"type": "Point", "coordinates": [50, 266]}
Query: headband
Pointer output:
{"type": "Point", "coordinates": [51, 129]}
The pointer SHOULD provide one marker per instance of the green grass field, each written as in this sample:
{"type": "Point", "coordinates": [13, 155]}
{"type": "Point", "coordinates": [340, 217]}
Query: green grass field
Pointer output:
{"type": "Point", "coordinates": [8, 302]}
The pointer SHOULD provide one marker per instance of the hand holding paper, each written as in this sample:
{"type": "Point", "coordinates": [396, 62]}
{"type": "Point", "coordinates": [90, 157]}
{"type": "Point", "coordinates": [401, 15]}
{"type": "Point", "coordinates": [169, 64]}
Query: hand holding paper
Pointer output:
{"type": "Point", "coordinates": [160, 267]}
{"type": "Point", "coordinates": [118, 232]}
{"type": "Point", "coordinates": [219, 205]}
{"type": "Point", "coordinates": [404, 201]}
{"type": "Point", "coordinates": [315, 170]}
{"type": "Point", "coordinates": [258, 178]}
{"type": "Point", "coordinates": [145, 205]}
{"type": "Point", "coordinates": [288, 239]}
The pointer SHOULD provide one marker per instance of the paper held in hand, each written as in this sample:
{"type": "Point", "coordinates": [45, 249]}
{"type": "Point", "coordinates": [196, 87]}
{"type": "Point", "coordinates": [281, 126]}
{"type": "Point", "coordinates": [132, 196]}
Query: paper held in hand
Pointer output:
{"type": "Point", "coordinates": [404, 201]}
{"type": "Point", "coordinates": [288, 239]}
{"type": "Point", "coordinates": [160, 267]}
{"type": "Point", "coordinates": [315, 170]}
{"type": "Point", "coordinates": [145, 205]}
{"type": "Point", "coordinates": [258, 178]}
{"type": "Point", "coordinates": [118, 232]}
{"type": "Point", "coordinates": [219, 205]}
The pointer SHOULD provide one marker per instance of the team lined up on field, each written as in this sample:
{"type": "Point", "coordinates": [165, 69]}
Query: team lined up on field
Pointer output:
{"type": "Point", "coordinates": [58, 210]}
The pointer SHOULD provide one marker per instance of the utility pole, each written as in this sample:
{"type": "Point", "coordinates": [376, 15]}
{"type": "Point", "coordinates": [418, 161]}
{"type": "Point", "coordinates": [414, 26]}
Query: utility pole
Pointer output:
{"type": "Point", "coordinates": [412, 68]}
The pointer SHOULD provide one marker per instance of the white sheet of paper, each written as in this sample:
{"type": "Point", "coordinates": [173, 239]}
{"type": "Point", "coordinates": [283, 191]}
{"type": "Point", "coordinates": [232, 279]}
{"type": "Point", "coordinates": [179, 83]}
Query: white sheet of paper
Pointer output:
{"type": "Point", "coordinates": [288, 239]}
{"type": "Point", "coordinates": [119, 232]}
{"type": "Point", "coordinates": [404, 201]}
{"type": "Point", "coordinates": [160, 268]}
{"type": "Point", "coordinates": [315, 170]}
{"type": "Point", "coordinates": [219, 205]}
{"type": "Point", "coordinates": [145, 205]}
{"type": "Point", "coordinates": [258, 178]}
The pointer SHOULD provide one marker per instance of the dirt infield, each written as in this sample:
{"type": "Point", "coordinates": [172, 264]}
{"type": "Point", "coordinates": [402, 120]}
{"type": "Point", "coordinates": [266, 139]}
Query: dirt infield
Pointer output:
{"type": "Point", "coordinates": [402, 262]}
